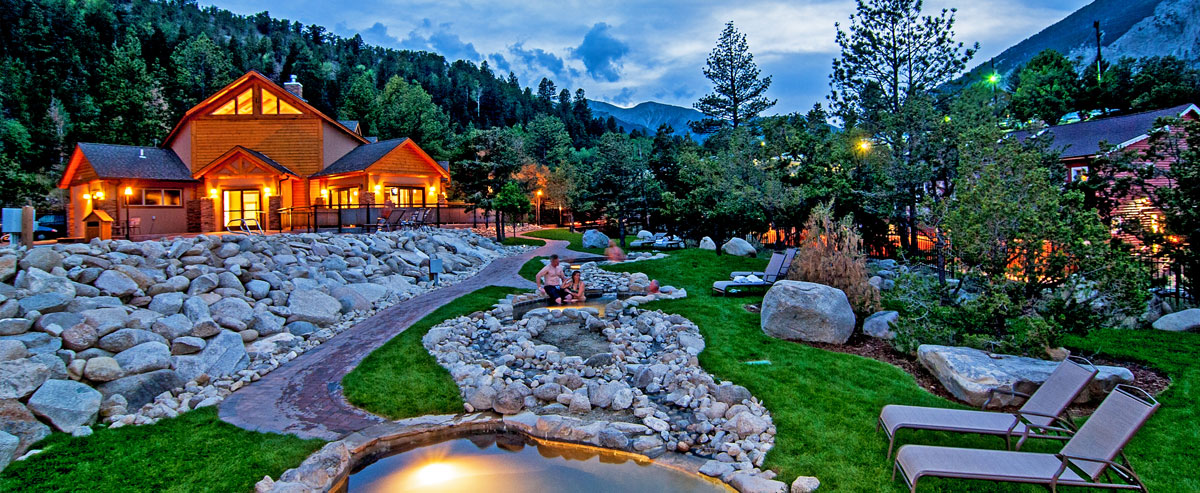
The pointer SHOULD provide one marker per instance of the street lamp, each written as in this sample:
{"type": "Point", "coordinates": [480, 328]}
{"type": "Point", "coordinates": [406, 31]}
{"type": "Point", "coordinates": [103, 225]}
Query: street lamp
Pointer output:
{"type": "Point", "coordinates": [993, 79]}
{"type": "Point", "coordinates": [128, 195]}
{"type": "Point", "coordinates": [864, 145]}
{"type": "Point", "coordinates": [539, 207]}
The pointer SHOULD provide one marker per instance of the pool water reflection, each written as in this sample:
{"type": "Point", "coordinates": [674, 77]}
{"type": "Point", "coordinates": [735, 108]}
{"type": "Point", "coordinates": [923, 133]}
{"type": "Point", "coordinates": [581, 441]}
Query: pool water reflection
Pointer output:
{"type": "Point", "coordinates": [502, 463]}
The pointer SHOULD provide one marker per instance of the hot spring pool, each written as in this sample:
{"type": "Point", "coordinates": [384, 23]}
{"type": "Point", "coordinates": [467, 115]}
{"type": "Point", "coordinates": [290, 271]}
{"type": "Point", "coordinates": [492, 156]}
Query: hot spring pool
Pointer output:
{"type": "Point", "coordinates": [596, 301]}
{"type": "Point", "coordinates": [504, 463]}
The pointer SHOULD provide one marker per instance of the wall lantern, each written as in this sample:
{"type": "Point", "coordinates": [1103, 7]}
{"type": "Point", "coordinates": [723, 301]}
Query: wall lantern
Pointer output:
{"type": "Point", "coordinates": [99, 195]}
{"type": "Point", "coordinates": [433, 190]}
{"type": "Point", "coordinates": [378, 188]}
{"type": "Point", "coordinates": [128, 191]}
{"type": "Point", "coordinates": [324, 192]}
{"type": "Point", "coordinates": [87, 196]}
{"type": "Point", "coordinates": [267, 191]}
{"type": "Point", "coordinates": [212, 193]}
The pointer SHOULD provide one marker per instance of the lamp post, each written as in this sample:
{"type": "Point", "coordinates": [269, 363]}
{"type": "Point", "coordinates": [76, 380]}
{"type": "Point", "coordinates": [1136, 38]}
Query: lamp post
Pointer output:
{"type": "Point", "coordinates": [128, 194]}
{"type": "Point", "coordinates": [993, 79]}
{"type": "Point", "coordinates": [538, 216]}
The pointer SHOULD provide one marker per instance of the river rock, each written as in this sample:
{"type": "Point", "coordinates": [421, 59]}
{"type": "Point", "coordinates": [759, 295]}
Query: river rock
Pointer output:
{"type": "Point", "coordinates": [187, 345]}
{"type": "Point", "coordinates": [234, 308]}
{"type": "Point", "coordinates": [20, 377]}
{"type": "Point", "coordinates": [127, 338]}
{"type": "Point", "coordinates": [115, 283]}
{"type": "Point", "coordinates": [142, 388]}
{"type": "Point", "coordinates": [16, 420]}
{"type": "Point", "coordinates": [80, 337]}
{"type": "Point", "coordinates": [102, 369]}
{"type": "Point", "coordinates": [805, 484]}
{"type": "Point", "coordinates": [43, 258]}
{"type": "Point", "coordinates": [8, 448]}
{"type": "Point", "coordinates": [167, 303]}
{"type": "Point", "coordinates": [796, 310]}
{"type": "Point", "coordinates": [172, 327]}
{"type": "Point", "coordinates": [1186, 320]}
{"type": "Point", "coordinates": [748, 482]}
{"type": "Point", "coordinates": [739, 247]}
{"type": "Point", "coordinates": [970, 374]}
{"type": "Point", "coordinates": [223, 355]}
{"type": "Point", "coordinates": [12, 350]}
{"type": "Point", "coordinates": [14, 326]}
{"type": "Point", "coordinates": [145, 357]}
{"type": "Point", "coordinates": [66, 404]}
{"type": "Point", "coordinates": [313, 306]}
{"type": "Point", "coordinates": [593, 238]}
{"type": "Point", "coordinates": [880, 324]}
{"type": "Point", "coordinates": [45, 302]}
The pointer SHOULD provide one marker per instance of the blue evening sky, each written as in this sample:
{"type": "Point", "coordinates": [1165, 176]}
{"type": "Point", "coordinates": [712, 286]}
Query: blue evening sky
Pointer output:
{"type": "Point", "coordinates": [626, 52]}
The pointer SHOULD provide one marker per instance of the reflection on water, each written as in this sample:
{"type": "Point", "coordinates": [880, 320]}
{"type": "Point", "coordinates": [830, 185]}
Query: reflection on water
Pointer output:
{"type": "Point", "coordinates": [595, 301]}
{"type": "Point", "coordinates": [507, 463]}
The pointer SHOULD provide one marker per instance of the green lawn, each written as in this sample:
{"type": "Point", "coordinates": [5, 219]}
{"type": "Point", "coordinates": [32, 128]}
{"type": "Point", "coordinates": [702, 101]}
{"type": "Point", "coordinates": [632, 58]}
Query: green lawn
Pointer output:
{"type": "Point", "coordinates": [576, 239]}
{"type": "Point", "coordinates": [193, 452]}
{"type": "Point", "coordinates": [517, 240]}
{"type": "Point", "coordinates": [401, 379]}
{"type": "Point", "coordinates": [825, 404]}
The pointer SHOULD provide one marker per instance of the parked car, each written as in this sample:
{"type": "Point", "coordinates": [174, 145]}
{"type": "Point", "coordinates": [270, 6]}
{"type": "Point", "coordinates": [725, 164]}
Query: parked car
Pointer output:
{"type": "Point", "coordinates": [50, 226]}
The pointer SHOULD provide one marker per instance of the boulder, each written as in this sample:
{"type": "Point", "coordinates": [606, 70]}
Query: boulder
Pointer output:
{"type": "Point", "coordinates": [970, 374]}
{"type": "Point", "coordinates": [806, 311]}
{"type": "Point", "coordinates": [102, 369]}
{"type": "Point", "coordinates": [258, 289]}
{"type": "Point", "coordinates": [145, 357]}
{"type": "Point", "coordinates": [739, 247]}
{"type": "Point", "coordinates": [127, 338]}
{"type": "Point", "coordinates": [301, 328]}
{"type": "Point", "coordinates": [707, 243]}
{"type": "Point", "coordinates": [880, 324]}
{"type": "Point", "coordinates": [105, 320]}
{"type": "Point", "coordinates": [805, 484]}
{"type": "Point", "coordinates": [222, 355]}
{"type": "Point", "coordinates": [142, 388]}
{"type": "Point", "coordinates": [16, 420]}
{"type": "Point", "coordinates": [645, 234]}
{"type": "Point", "coordinates": [203, 284]}
{"type": "Point", "coordinates": [748, 482]}
{"type": "Point", "coordinates": [8, 448]}
{"type": "Point", "coordinates": [731, 394]}
{"type": "Point", "coordinates": [1186, 320]}
{"type": "Point", "coordinates": [167, 303]}
{"type": "Point", "coordinates": [266, 324]}
{"type": "Point", "coordinates": [14, 326]}
{"type": "Point", "coordinates": [12, 350]}
{"type": "Point", "coordinates": [187, 345]}
{"type": "Point", "coordinates": [44, 258]}
{"type": "Point", "coordinates": [63, 320]}
{"type": "Point", "coordinates": [315, 307]}
{"type": "Point", "coordinates": [593, 238]}
{"type": "Point", "coordinates": [79, 337]}
{"type": "Point", "coordinates": [233, 308]}
{"type": "Point", "coordinates": [115, 283]}
{"type": "Point", "coordinates": [172, 327]}
{"type": "Point", "coordinates": [20, 377]}
{"type": "Point", "coordinates": [45, 302]}
{"type": "Point", "coordinates": [66, 404]}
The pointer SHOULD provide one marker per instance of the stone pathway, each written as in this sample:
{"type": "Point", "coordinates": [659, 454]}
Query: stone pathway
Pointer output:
{"type": "Point", "coordinates": [304, 397]}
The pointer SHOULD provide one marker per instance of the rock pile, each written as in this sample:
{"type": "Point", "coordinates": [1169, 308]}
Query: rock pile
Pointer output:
{"type": "Point", "coordinates": [128, 332]}
{"type": "Point", "coordinates": [647, 385]}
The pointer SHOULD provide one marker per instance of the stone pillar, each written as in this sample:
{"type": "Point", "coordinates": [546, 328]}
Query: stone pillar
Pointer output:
{"type": "Point", "coordinates": [208, 215]}
{"type": "Point", "coordinates": [274, 218]}
{"type": "Point", "coordinates": [72, 216]}
{"type": "Point", "coordinates": [193, 216]}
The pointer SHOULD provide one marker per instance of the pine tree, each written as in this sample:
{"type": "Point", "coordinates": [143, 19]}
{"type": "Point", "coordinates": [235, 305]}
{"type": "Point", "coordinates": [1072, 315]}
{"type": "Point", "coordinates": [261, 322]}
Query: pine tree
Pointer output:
{"type": "Point", "coordinates": [201, 67]}
{"type": "Point", "coordinates": [132, 105]}
{"type": "Point", "coordinates": [737, 95]}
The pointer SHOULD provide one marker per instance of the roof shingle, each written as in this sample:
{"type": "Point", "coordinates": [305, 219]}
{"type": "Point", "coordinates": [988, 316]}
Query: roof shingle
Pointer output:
{"type": "Point", "coordinates": [146, 163]}
{"type": "Point", "coordinates": [1083, 138]}
{"type": "Point", "coordinates": [361, 157]}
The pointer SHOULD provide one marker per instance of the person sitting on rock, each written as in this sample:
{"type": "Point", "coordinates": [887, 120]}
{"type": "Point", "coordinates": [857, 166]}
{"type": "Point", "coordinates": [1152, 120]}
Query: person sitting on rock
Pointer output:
{"type": "Point", "coordinates": [550, 279]}
{"type": "Point", "coordinates": [614, 252]}
{"type": "Point", "coordinates": [574, 288]}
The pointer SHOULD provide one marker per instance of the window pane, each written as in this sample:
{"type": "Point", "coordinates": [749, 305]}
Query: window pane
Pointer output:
{"type": "Point", "coordinates": [287, 109]}
{"type": "Point", "coordinates": [172, 197]}
{"type": "Point", "coordinates": [245, 102]}
{"type": "Point", "coordinates": [153, 197]}
{"type": "Point", "coordinates": [268, 103]}
{"type": "Point", "coordinates": [225, 109]}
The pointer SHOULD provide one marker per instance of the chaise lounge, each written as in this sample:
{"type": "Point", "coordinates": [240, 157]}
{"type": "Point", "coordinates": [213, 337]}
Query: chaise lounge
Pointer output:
{"type": "Point", "coordinates": [787, 255]}
{"type": "Point", "coordinates": [1040, 417]}
{"type": "Point", "coordinates": [1086, 457]}
{"type": "Point", "coordinates": [776, 269]}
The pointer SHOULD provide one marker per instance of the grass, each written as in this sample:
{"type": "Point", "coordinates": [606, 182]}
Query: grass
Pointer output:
{"type": "Point", "coordinates": [825, 404]}
{"type": "Point", "coordinates": [193, 452]}
{"type": "Point", "coordinates": [401, 379]}
{"type": "Point", "coordinates": [576, 239]}
{"type": "Point", "coordinates": [517, 240]}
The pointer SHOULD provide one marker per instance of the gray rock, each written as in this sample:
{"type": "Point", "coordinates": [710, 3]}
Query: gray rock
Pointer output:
{"type": "Point", "coordinates": [105, 320]}
{"type": "Point", "coordinates": [63, 320]}
{"type": "Point", "coordinates": [258, 289]}
{"type": "Point", "coordinates": [692, 343]}
{"type": "Point", "coordinates": [20, 377]}
{"type": "Point", "coordinates": [127, 338]}
{"type": "Point", "coordinates": [8, 448]}
{"type": "Point", "coordinates": [12, 350]}
{"type": "Point", "coordinates": [301, 328]}
{"type": "Point", "coordinates": [167, 303]}
{"type": "Point", "coordinates": [196, 309]}
{"type": "Point", "coordinates": [16, 420]}
{"type": "Point", "coordinates": [548, 392]}
{"type": "Point", "coordinates": [115, 283]}
{"type": "Point", "coordinates": [229, 281]}
{"type": "Point", "coordinates": [56, 364]}
{"type": "Point", "coordinates": [509, 401]}
{"type": "Point", "coordinates": [314, 307]}
{"type": "Point", "coordinates": [266, 324]}
{"type": "Point", "coordinates": [748, 482]}
{"type": "Point", "coordinates": [622, 399]}
{"type": "Point", "coordinates": [145, 357]}
{"type": "Point", "coordinates": [172, 327]}
{"type": "Point", "coordinates": [707, 243]}
{"type": "Point", "coordinates": [716, 468]}
{"type": "Point", "coordinates": [14, 326]}
{"type": "Point", "coordinates": [45, 302]}
{"type": "Point", "coordinates": [44, 258]}
{"type": "Point", "coordinates": [223, 355]}
{"type": "Point", "coordinates": [1186, 320]}
{"type": "Point", "coordinates": [10, 309]}
{"type": "Point", "coordinates": [880, 324]}
{"type": "Point", "coordinates": [80, 337]}
{"type": "Point", "coordinates": [593, 238]}
{"type": "Point", "coordinates": [970, 374]}
{"type": "Point", "coordinates": [142, 388]}
{"type": "Point", "coordinates": [66, 404]}
{"type": "Point", "coordinates": [739, 247]}
{"type": "Point", "coordinates": [187, 345]}
{"type": "Point", "coordinates": [482, 398]}
{"type": "Point", "coordinates": [203, 284]}
{"type": "Point", "coordinates": [746, 424]}
{"type": "Point", "coordinates": [796, 310]}
{"type": "Point", "coordinates": [805, 484]}
{"type": "Point", "coordinates": [731, 394]}
{"type": "Point", "coordinates": [233, 308]}
{"type": "Point", "coordinates": [614, 439]}
{"type": "Point", "coordinates": [102, 369]}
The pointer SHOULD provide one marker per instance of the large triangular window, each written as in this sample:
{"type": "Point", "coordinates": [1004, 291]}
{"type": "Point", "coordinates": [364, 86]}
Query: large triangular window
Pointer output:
{"type": "Point", "coordinates": [272, 105]}
{"type": "Point", "coordinates": [243, 104]}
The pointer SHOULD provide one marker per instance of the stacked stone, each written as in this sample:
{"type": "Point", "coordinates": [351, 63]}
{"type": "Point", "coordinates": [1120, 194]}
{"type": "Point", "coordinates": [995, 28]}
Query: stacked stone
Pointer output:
{"type": "Point", "coordinates": [129, 332]}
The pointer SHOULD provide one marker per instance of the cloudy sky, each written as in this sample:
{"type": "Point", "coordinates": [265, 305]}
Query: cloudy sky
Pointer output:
{"type": "Point", "coordinates": [626, 52]}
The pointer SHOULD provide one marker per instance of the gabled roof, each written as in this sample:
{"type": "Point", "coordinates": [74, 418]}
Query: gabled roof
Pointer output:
{"type": "Point", "coordinates": [1083, 139]}
{"type": "Point", "coordinates": [363, 156]}
{"type": "Point", "coordinates": [253, 154]}
{"type": "Point", "coordinates": [277, 89]}
{"type": "Point", "coordinates": [351, 124]}
{"type": "Point", "coordinates": [111, 161]}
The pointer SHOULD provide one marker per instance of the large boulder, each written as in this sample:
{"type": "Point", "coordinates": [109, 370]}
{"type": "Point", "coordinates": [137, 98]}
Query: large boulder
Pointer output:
{"type": "Point", "coordinates": [309, 305]}
{"type": "Point", "coordinates": [970, 374]}
{"type": "Point", "coordinates": [66, 404]}
{"type": "Point", "coordinates": [222, 355]}
{"type": "Point", "coordinates": [739, 247]}
{"type": "Point", "coordinates": [1186, 320]}
{"type": "Point", "coordinates": [806, 311]}
{"type": "Point", "coordinates": [20, 377]}
{"type": "Point", "coordinates": [142, 388]}
{"type": "Point", "coordinates": [145, 357]}
{"type": "Point", "coordinates": [593, 238]}
{"type": "Point", "coordinates": [880, 324]}
{"type": "Point", "coordinates": [234, 308]}
{"type": "Point", "coordinates": [102, 369]}
{"type": "Point", "coordinates": [115, 283]}
{"type": "Point", "coordinates": [8, 448]}
{"type": "Point", "coordinates": [16, 420]}
{"type": "Point", "coordinates": [707, 243]}
{"type": "Point", "coordinates": [123, 339]}
{"type": "Point", "coordinates": [43, 258]}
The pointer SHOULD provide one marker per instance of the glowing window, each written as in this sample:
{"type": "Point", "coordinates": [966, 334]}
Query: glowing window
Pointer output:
{"type": "Point", "coordinates": [245, 102]}
{"type": "Point", "coordinates": [225, 109]}
{"type": "Point", "coordinates": [287, 109]}
{"type": "Point", "coordinates": [269, 103]}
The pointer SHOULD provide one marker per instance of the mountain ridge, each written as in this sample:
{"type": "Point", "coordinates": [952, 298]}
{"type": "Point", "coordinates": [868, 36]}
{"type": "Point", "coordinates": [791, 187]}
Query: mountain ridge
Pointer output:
{"type": "Point", "coordinates": [647, 116]}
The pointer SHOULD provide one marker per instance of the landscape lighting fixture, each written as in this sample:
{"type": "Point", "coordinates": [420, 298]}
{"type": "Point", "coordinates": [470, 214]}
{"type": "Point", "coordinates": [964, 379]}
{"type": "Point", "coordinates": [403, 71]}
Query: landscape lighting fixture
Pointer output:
{"type": "Point", "coordinates": [864, 145]}
{"type": "Point", "coordinates": [128, 191]}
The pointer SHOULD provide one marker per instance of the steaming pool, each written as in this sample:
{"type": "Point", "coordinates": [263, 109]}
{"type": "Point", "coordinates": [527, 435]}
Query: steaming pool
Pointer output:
{"type": "Point", "coordinates": [508, 463]}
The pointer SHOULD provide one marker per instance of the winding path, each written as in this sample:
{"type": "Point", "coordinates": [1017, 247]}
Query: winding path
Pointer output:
{"type": "Point", "coordinates": [304, 396]}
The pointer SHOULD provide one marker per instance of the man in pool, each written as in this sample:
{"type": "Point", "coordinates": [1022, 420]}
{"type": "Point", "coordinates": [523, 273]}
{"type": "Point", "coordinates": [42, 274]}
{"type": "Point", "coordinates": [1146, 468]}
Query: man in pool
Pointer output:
{"type": "Point", "coordinates": [550, 280]}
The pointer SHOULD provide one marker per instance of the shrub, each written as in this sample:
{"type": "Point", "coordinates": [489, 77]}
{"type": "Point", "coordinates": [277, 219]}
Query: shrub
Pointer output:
{"type": "Point", "coordinates": [831, 254]}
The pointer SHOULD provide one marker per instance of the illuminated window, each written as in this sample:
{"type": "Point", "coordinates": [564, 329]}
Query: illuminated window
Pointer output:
{"type": "Point", "coordinates": [270, 103]}
{"type": "Point", "coordinates": [157, 197]}
{"type": "Point", "coordinates": [287, 109]}
{"type": "Point", "coordinates": [225, 109]}
{"type": "Point", "coordinates": [245, 102]}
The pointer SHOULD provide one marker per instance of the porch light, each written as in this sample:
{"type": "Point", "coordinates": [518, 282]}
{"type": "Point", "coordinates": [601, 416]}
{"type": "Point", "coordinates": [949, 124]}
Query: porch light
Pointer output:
{"type": "Point", "coordinates": [99, 195]}
{"type": "Point", "coordinates": [128, 191]}
{"type": "Point", "coordinates": [378, 188]}
{"type": "Point", "coordinates": [324, 192]}
{"type": "Point", "coordinates": [212, 193]}
{"type": "Point", "coordinates": [267, 191]}
{"type": "Point", "coordinates": [87, 196]}
{"type": "Point", "coordinates": [433, 190]}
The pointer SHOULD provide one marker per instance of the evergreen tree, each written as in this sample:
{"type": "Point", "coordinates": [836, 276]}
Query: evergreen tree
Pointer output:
{"type": "Point", "coordinates": [1046, 88]}
{"type": "Point", "coordinates": [737, 96]}
{"type": "Point", "coordinates": [360, 97]}
{"type": "Point", "coordinates": [548, 141]}
{"type": "Point", "coordinates": [406, 110]}
{"type": "Point", "coordinates": [201, 67]}
{"type": "Point", "coordinates": [132, 103]}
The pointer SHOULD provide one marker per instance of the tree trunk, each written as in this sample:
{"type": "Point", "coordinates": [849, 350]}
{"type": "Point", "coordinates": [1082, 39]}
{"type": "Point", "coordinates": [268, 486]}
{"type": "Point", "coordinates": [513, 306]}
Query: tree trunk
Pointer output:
{"type": "Point", "coordinates": [621, 230]}
{"type": "Point", "coordinates": [499, 226]}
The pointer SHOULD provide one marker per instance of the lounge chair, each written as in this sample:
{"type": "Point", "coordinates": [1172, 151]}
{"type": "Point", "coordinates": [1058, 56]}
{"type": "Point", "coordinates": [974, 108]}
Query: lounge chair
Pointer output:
{"type": "Point", "coordinates": [788, 255]}
{"type": "Point", "coordinates": [414, 219]}
{"type": "Point", "coordinates": [1039, 417]}
{"type": "Point", "coordinates": [1087, 456]}
{"type": "Point", "coordinates": [393, 220]}
{"type": "Point", "coordinates": [774, 267]}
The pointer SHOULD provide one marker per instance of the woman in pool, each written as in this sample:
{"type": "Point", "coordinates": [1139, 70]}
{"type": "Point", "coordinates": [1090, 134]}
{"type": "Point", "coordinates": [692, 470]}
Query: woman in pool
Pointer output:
{"type": "Point", "coordinates": [575, 288]}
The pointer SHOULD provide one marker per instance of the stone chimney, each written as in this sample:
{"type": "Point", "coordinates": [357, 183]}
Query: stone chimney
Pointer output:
{"type": "Point", "coordinates": [294, 87]}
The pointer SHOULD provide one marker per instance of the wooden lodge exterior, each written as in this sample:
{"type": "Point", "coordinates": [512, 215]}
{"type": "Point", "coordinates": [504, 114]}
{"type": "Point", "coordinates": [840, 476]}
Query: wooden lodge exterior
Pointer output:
{"type": "Point", "coordinates": [253, 150]}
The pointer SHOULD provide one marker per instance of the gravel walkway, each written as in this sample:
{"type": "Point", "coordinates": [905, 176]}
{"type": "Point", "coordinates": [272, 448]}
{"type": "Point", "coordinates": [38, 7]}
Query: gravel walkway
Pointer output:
{"type": "Point", "coordinates": [304, 397]}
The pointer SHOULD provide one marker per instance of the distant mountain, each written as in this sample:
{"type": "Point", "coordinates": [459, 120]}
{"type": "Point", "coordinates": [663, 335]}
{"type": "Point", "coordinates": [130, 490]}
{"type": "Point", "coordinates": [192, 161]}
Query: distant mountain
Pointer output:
{"type": "Point", "coordinates": [647, 116]}
{"type": "Point", "coordinates": [1133, 28]}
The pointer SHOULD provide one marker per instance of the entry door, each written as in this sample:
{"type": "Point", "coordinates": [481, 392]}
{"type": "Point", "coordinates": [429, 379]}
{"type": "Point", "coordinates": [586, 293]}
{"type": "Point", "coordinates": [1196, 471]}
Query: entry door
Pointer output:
{"type": "Point", "coordinates": [242, 204]}
{"type": "Point", "coordinates": [409, 196]}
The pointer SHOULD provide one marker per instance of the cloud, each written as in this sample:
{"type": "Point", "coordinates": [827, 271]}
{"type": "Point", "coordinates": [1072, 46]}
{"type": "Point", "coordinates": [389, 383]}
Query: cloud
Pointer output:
{"type": "Point", "coordinates": [601, 53]}
{"type": "Point", "coordinates": [377, 35]}
{"type": "Point", "coordinates": [537, 57]}
{"type": "Point", "coordinates": [439, 39]}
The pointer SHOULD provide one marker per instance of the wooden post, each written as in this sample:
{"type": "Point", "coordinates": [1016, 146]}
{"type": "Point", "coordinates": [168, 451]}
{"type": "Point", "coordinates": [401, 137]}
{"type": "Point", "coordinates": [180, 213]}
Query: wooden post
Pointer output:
{"type": "Point", "coordinates": [27, 225]}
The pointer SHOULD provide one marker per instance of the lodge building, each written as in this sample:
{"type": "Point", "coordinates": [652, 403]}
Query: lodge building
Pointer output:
{"type": "Point", "coordinates": [254, 151]}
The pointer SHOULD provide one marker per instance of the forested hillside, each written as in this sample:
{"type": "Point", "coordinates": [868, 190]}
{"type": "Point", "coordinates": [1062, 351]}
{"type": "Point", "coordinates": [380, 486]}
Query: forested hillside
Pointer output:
{"type": "Point", "coordinates": [124, 71]}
